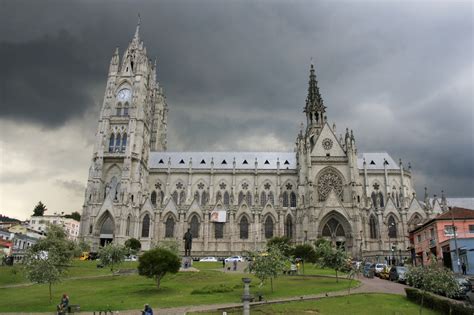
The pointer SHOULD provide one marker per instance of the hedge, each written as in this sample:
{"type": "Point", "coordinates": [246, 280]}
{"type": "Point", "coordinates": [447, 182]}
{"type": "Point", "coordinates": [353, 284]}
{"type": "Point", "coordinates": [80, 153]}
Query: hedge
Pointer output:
{"type": "Point", "coordinates": [439, 303]}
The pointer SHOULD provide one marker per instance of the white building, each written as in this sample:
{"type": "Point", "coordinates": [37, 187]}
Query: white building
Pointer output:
{"type": "Point", "coordinates": [323, 187]}
{"type": "Point", "coordinates": [40, 224]}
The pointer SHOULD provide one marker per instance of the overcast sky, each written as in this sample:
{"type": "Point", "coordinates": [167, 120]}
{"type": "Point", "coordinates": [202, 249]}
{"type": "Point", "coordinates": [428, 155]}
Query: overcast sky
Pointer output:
{"type": "Point", "coordinates": [399, 73]}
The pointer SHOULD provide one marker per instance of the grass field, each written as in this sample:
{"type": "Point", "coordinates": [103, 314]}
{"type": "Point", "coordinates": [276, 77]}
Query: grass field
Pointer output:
{"type": "Point", "coordinates": [359, 304]}
{"type": "Point", "coordinates": [132, 291]}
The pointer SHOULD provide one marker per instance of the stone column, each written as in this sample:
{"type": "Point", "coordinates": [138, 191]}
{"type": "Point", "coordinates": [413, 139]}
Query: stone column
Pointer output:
{"type": "Point", "coordinates": [246, 296]}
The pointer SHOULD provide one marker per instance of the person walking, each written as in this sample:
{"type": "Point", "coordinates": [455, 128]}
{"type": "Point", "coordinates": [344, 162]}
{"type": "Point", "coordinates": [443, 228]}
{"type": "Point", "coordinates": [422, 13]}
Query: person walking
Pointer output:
{"type": "Point", "coordinates": [463, 267]}
{"type": "Point", "coordinates": [235, 265]}
{"type": "Point", "coordinates": [147, 310]}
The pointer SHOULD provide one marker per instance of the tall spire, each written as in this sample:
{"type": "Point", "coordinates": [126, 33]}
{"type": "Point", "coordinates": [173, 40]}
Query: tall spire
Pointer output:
{"type": "Point", "coordinates": [314, 108]}
{"type": "Point", "coordinates": [137, 31]}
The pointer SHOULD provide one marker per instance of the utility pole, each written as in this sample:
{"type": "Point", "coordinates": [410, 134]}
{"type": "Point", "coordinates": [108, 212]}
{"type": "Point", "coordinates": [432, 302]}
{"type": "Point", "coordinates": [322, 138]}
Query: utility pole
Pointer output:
{"type": "Point", "coordinates": [458, 260]}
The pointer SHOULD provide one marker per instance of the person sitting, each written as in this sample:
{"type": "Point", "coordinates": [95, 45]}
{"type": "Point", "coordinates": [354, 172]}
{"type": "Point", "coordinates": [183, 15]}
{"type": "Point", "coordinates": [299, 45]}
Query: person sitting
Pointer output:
{"type": "Point", "coordinates": [147, 310]}
{"type": "Point", "coordinates": [62, 307]}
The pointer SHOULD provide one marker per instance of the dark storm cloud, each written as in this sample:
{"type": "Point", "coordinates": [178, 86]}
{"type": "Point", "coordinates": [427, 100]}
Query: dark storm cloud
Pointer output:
{"type": "Point", "coordinates": [398, 73]}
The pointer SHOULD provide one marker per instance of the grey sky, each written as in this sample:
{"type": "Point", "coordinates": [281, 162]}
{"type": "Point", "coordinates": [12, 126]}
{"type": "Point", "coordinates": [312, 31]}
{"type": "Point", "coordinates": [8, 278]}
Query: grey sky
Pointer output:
{"type": "Point", "coordinates": [399, 73]}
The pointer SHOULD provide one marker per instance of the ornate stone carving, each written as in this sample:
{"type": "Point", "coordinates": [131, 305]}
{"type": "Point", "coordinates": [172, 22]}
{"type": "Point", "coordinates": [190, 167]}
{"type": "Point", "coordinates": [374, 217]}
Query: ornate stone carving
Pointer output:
{"type": "Point", "coordinates": [329, 180]}
{"type": "Point", "coordinates": [327, 144]}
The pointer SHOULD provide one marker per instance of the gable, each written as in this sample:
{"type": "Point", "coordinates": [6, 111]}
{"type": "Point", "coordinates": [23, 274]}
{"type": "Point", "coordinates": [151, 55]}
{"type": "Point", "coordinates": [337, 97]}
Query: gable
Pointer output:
{"type": "Point", "coordinates": [170, 207]}
{"type": "Point", "coordinates": [437, 207]}
{"type": "Point", "coordinates": [195, 207]}
{"type": "Point", "coordinates": [327, 143]}
{"type": "Point", "coordinates": [390, 206]}
{"type": "Point", "coordinates": [415, 206]}
{"type": "Point", "coordinates": [147, 206]}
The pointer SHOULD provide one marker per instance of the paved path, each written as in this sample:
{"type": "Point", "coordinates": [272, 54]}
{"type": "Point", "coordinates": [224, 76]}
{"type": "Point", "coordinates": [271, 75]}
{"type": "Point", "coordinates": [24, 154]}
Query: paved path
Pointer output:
{"type": "Point", "coordinates": [374, 285]}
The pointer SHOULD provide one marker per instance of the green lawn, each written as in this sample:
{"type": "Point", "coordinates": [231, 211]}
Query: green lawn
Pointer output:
{"type": "Point", "coordinates": [359, 304]}
{"type": "Point", "coordinates": [132, 291]}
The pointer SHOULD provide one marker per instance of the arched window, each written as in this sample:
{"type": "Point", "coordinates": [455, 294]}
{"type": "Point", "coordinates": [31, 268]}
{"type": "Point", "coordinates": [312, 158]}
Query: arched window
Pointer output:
{"type": "Point", "coordinates": [392, 227]}
{"type": "Point", "coordinates": [169, 227]}
{"type": "Point", "coordinates": [268, 227]}
{"type": "Point", "coordinates": [108, 226]}
{"type": "Point", "coordinates": [263, 199]}
{"type": "Point", "coordinates": [373, 227]}
{"type": "Point", "coordinates": [204, 198]}
{"type": "Point", "coordinates": [124, 142]}
{"type": "Point", "coordinates": [182, 197]}
{"type": "Point", "coordinates": [293, 200]}
{"type": "Point", "coordinates": [381, 199]}
{"type": "Point", "coordinates": [218, 229]}
{"type": "Point", "coordinates": [333, 228]}
{"type": "Point", "coordinates": [329, 180]}
{"type": "Point", "coordinates": [241, 197]}
{"type": "Point", "coordinates": [374, 199]}
{"type": "Point", "coordinates": [218, 196]}
{"type": "Point", "coordinates": [249, 198]}
{"type": "Point", "coordinates": [226, 198]}
{"type": "Point", "coordinates": [127, 226]}
{"type": "Point", "coordinates": [271, 199]}
{"type": "Point", "coordinates": [175, 197]}
{"type": "Point", "coordinates": [153, 198]}
{"type": "Point", "coordinates": [194, 226]}
{"type": "Point", "coordinates": [111, 143]}
{"type": "Point", "coordinates": [244, 228]}
{"type": "Point", "coordinates": [146, 226]}
{"type": "Point", "coordinates": [117, 142]}
{"type": "Point", "coordinates": [289, 227]}
{"type": "Point", "coordinates": [125, 109]}
{"type": "Point", "coordinates": [285, 199]}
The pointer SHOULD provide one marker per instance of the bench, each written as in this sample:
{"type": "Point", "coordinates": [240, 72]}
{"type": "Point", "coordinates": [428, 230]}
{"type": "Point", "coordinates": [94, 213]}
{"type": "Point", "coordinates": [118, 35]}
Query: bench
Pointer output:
{"type": "Point", "coordinates": [73, 308]}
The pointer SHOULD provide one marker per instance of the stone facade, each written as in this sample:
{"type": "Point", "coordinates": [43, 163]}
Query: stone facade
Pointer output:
{"type": "Point", "coordinates": [321, 189]}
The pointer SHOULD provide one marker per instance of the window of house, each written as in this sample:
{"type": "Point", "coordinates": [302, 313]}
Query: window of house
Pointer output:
{"type": "Point", "coordinates": [419, 238]}
{"type": "Point", "coordinates": [448, 230]}
{"type": "Point", "coordinates": [432, 233]}
{"type": "Point", "coordinates": [471, 228]}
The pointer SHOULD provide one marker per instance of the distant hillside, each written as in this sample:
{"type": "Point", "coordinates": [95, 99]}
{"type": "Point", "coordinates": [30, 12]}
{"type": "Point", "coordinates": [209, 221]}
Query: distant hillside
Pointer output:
{"type": "Point", "coordinates": [4, 218]}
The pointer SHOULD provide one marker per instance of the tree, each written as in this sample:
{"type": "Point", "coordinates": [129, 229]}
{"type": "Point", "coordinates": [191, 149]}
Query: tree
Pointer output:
{"type": "Point", "coordinates": [269, 265]}
{"type": "Point", "coordinates": [39, 209]}
{"type": "Point", "coordinates": [75, 215]}
{"type": "Point", "coordinates": [111, 255]}
{"type": "Point", "coordinates": [171, 245]}
{"type": "Point", "coordinates": [156, 263]}
{"type": "Point", "coordinates": [331, 257]}
{"type": "Point", "coordinates": [432, 278]}
{"type": "Point", "coordinates": [283, 243]}
{"type": "Point", "coordinates": [133, 245]}
{"type": "Point", "coordinates": [306, 252]}
{"type": "Point", "coordinates": [47, 261]}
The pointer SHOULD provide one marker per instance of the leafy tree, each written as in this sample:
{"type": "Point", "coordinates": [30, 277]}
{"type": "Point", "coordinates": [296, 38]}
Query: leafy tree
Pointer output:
{"type": "Point", "coordinates": [39, 209]}
{"type": "Point", "coordinates": [47, 261]}
{"type": "Point", "coordinates": [112, 255]}
{"type": "Point", "coordinates": [133, 245]}
{"type": "Point", "coordinates": [81, 247]}
{"type": "Point", "coordinates": [75, 215]}
{"type": "Point", "coordinates": [283, 243]}
{"type": "Point", "coordinates": [268, 266]}
{"type": "Point", "coordinates": [332, 257]}
{"type": "Point", "coordinates": [432, 278]}
{"type": "Point", "coordinates": [156, 263]}
{"type": "Point", "coordinates": [306, 252]}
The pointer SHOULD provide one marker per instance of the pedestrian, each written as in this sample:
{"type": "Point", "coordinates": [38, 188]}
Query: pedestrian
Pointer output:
{"type": "Point", "coordinates": [147, 310]}
{"type": "Point", "coordinates": [62, 307]}
{"type": "Point", "coordinates": [223, 263]}
{"type": "Point", "coordinates": [235, 265]}
{"type": "Point", "coordinates": [463, 266]}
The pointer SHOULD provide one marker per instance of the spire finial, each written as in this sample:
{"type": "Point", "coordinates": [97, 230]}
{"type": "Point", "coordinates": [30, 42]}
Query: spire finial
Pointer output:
{"type": "Point", "coordinates": [137, 31]}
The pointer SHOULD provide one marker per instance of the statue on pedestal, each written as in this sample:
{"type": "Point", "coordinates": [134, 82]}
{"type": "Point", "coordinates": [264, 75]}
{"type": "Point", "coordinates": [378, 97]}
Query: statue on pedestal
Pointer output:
{"type": "Point", "coordinates": [188, 242]}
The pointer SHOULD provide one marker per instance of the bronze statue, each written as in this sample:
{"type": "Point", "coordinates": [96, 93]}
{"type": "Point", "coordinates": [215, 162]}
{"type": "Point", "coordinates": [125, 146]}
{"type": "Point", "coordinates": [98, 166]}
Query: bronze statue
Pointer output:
{"type": "Point", "coordinates": [188, 242]}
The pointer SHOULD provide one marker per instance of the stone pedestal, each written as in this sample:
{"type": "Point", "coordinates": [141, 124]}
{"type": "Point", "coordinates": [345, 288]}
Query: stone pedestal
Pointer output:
{"type": "Point", "coordinates": [186, 262]}
{"type": "Point", "coordinates": [246, 298]}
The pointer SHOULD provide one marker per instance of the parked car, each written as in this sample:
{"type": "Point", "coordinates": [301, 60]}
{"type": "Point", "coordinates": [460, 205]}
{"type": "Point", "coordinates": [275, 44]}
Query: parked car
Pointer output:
{"type": "Point", "coordinates": [385, 273]}
{"type": "Point", "coordinates": [131, 258]}
{"type": "Point", "coordinates": [379, 268]}
{"type": "Point", "coordinates": [369, 270]}
{"type": "Point", "coordinates": [233, 258]}
{"type": "Point", "coordinates": [208, 259]}
{"type": "Point", "coordinates": [397, 273]}
{"type": "Point", "coordinates": [465, 287]}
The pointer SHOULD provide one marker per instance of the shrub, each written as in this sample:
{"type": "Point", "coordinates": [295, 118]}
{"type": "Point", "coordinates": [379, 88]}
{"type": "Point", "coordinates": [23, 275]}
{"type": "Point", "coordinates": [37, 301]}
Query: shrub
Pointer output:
{"type": "Point", "coordinates": [439, 303]}
{"type": "Point", "coordinates": [156, 263]}
{"type": "Point", "coordinates": [209, 289]}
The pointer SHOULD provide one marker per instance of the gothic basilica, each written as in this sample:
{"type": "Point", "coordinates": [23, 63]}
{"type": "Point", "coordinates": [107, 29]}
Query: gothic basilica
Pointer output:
{"type": "Point", "coordinates": [235, 201]}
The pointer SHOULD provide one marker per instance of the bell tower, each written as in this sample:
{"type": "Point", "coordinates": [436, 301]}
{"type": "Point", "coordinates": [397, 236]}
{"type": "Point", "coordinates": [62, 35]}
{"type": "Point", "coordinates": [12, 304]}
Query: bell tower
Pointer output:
{"type": "Point", "coordinates": [314, 109]}
{"type": "Point", "coordinates": [132, 122]}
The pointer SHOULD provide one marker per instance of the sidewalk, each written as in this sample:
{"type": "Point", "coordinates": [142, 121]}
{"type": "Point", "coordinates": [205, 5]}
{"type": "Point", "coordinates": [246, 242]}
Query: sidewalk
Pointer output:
{"type": "Point", "coordinates": [374, 285]}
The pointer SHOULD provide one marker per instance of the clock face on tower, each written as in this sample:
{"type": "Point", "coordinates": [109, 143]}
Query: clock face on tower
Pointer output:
{"type": "Point", "coordinates": [124, 95]}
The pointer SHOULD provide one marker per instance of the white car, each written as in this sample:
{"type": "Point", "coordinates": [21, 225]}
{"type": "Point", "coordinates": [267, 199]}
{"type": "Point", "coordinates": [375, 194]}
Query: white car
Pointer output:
{"type": "Point", "coordinates": [379, 268]}
{"type": "Point", "coordinates": [131, 258]}
{"type": "Point", "coordinates": [208, 259]}
{"type": "Point", "coordinates": [234, 258]}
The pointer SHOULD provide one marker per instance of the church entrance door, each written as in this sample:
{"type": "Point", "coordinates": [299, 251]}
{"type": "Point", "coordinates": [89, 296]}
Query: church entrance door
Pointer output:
{"type": "Point", "coordinates": [107, 230]}
{"type": "Point", "coordinates": [335, 228]}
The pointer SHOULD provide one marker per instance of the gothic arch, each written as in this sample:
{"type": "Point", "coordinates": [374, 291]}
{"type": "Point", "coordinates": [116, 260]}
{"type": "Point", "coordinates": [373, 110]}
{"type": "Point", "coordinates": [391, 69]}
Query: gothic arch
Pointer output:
{"type": "Point", "coordinates": [415, 219]}
{"type": "Point", "coordinates": [392, 222]}
{"type": "Point", "coordinates": [289, 225]}
{"type": "Point", "coordinates": [327, 179]}
{"type": "Point", "coordinates": [337, 228]}
{"type": "Point", "coordinates": [194, 224]}
{"type": "Point", "coordinates": [244, 222]}
{"type": "Point", "coordinates": [373, 226]}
